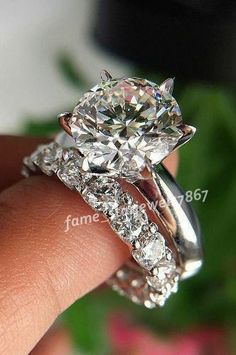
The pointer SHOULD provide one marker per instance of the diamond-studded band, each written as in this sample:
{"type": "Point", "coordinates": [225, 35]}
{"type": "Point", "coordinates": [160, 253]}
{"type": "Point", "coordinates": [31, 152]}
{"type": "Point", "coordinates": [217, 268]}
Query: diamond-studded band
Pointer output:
{"type": "Point", "coordinates": [176, 219]}
{"type": "Point", "coordinates": [158, 261]}
{"type": "Point", "coordinates": [157, 275]}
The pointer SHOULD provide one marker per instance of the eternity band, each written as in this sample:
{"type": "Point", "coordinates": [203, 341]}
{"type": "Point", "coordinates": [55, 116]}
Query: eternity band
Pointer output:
{"type": "Point", "coordinates": [120, 129]}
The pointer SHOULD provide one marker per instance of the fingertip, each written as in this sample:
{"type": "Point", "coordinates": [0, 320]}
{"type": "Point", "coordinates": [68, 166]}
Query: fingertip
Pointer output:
{"type": "Point", "coordinates": [56, 341]}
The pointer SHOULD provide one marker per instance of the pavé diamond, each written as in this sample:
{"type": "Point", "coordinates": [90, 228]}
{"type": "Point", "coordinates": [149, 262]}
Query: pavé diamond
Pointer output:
{"type": "Point", "coordinates": [129, 219]}
{"type": "Point", "coordinates": [102, 193]}
{"type": "Point", "coordinates": [124, 123]}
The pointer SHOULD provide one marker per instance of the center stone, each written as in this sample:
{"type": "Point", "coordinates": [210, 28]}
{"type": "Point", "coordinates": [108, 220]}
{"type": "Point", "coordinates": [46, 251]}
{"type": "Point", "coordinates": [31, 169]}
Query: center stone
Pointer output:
{"type": "Point", "coordinates": [121, 125]}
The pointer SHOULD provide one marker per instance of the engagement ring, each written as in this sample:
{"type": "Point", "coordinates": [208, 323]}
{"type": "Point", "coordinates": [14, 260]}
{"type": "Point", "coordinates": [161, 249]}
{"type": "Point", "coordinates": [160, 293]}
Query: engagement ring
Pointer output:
{"type": "Point", "coordinates": [120, 131]}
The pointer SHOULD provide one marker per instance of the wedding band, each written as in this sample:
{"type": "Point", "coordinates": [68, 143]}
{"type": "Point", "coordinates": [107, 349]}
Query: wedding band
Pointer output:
{"type": "Point", "coordinates": [119, 129]}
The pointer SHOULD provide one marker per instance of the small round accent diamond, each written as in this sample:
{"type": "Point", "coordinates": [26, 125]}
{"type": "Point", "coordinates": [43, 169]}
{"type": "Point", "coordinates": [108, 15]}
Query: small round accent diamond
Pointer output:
{"type": "Point", "coordinates": [166, 274]}
{"type": "Point", "coordinates": [46, 157]}
{"type": "Point", "coordinates": [69, 174]}
{"type": "Point", "coordinates": [129, 219]}
{"type": "Point", "coordinates": [151, 250]}
{"type": "Point", "coordinates": [102, 193]}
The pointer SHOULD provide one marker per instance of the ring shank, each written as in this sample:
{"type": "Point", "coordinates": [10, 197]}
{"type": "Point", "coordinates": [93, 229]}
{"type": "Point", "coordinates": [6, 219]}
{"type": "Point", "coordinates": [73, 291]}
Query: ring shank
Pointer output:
{"type": "Point", "coordinates": [179, 218]}
{"type": "Point", "coordinates": [163, 194]}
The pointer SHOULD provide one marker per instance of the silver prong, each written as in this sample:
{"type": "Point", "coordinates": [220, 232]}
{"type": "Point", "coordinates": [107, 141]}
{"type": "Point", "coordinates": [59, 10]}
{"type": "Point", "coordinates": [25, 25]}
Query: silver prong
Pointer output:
{"type": "Point", "coordinates": [63, 119]}
{"type": "Point", "coordinates": [167, 85]}
{"type": "Point", "coordinates": [105, 75]}
{"type": "Point", "coordinates": [188, 133]}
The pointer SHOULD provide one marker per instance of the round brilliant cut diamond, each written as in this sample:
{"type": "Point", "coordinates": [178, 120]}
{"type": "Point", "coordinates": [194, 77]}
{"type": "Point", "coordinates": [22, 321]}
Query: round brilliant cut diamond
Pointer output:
{"type": "Point", "coordinates": [151, 250]}
{"type": "Point", "coordinates": [46, 157]}
{"type": "Point", "coordinates": [129, 219]}
{"type": "Point", "coordinates": [102, 193]}
{"type": "Point", "coordinates": [124, 123]}
{"type": "Point", "coordinates": [69, 174]}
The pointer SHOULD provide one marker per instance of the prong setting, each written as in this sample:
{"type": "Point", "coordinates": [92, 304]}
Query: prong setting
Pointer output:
{"type": "Point", "coordinates": [63, 119]}
{"type": "Point", "coordinates": [167, 85]}
{"type": "Point", "coordinates": [188, 132]}
{"type": "Point", "coordinates": [105, 75]}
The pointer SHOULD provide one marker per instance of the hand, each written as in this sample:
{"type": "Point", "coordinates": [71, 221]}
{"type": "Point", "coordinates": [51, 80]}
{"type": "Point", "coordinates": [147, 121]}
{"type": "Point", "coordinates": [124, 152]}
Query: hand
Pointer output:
{"type": "Point", "coordinates": [43, 270]}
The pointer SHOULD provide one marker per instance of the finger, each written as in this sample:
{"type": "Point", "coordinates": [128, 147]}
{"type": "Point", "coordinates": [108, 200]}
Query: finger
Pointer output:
{"type": "Point", "coordinates": [14, 148]}
{"type": "Point", "coordinates": [54, 342]}
{"type": "Point", "coordinates": [43, 270]}
{"type": "Point", "coordinates": [172, 162]}
{"type": "Point", "coordinates": [46, 271]}
{"type": "Point", "coordinates": [12, 151]}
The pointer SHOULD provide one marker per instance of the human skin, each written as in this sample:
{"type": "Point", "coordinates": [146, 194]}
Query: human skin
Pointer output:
{"type": "Point", "coordinates": [43, 270]}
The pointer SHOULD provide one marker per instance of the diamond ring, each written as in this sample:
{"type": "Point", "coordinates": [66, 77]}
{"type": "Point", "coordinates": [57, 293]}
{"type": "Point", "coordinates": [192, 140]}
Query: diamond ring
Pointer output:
{"type": "Point", "coordinates": [121, 130]}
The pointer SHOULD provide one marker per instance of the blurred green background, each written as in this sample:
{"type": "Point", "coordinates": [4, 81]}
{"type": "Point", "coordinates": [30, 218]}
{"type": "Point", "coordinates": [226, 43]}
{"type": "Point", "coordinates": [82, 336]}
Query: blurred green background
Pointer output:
{"type": "Point", "coordinates": [208, 163]}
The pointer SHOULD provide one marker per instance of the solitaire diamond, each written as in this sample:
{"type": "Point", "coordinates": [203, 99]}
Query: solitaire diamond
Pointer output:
{"type": "Point", "coordinates": [124, 124]}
